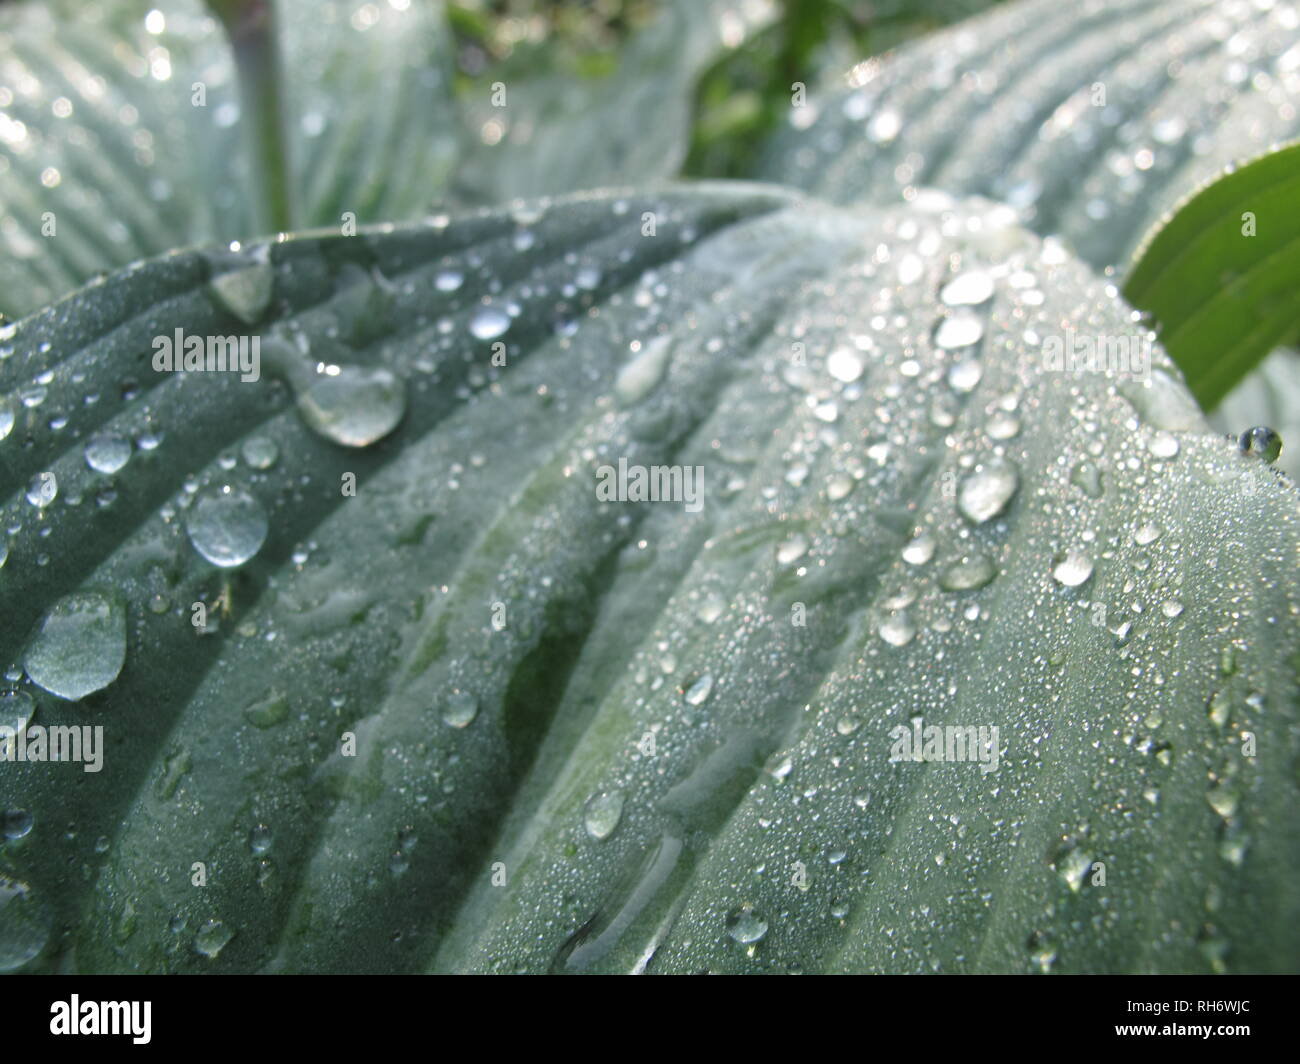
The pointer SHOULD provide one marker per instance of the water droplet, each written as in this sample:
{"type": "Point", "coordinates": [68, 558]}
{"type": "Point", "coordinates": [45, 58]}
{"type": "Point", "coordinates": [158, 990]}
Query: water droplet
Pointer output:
{"type": "Point", "coordinates": [260, 452]}
{"type": "Point", "coordinates": [1163, 445]}
{"type": "Point", "coordinates": [844, 364]}
{"type": "Point", "coordinates": [965, 375]}
{"type": "Point", "coordinates": [1073, 569]}
{"type": "Point", "coordinates": [1171, 608]}
{"type": "Point", "coordinates": [448, 280]}
{"type": "Point", "coordinates": [1223, 800]}
{"type": "Point", "coordinates": [260, 839]}
{"type": "Point", "coordinates": [1073, 868]}
{"type": "Point", "coordinates": [897, 630]}
{"type": "Point", "coordinates": [968, 573]}
{"type": "Point", "coordinates": [919, 549]}
{"type": "Point", "coordinates": [1261, 441]}
{"type": "Point", "coordinates": [602, 814]}
{"type": "Point", "coordinates": [354, 407]}
{"type": "Point", "coordinates": [460, 709]}
{"type": "Point", "coordinates": [961, 329]}
{"type": "Point", "coordinates": [968, 289]}
{"type": "Point", "coordinates": [638, 378]}
{"type": "Point", "coordinates": [107, 454]}
{"type": "Point", "coordinates": [1146, 534]}
{"type": "Point", "coordinates": [1087, 478]}
{"type": "Point", "coordinates": [746, 926]}
{"type": "Point", "coordinates": [24, 927]}
{"type": "Point", "coordinates": [985, 493]}
{"type": "Point", "coordinates": [1002, 425]}
{"type": "Point", "coordinates": [1219, 708]}
{"type": "Point", "coordinates": [6, 418]}
{"type": "Point", "coordinates": [15, 823]}
{"type": "Point", "coordinates": [792, 549]}
{"type": "Point", "coordinates": [488, 323]}
{"type": "Point", "coordinates": [42, 490]}
{"type": "Point", "coordinates": [81, 645]}
{"type": "Point", "coordinates": [245, 293]}
{"type": "Point", "coordinates": [698, 691]}
{"type": "Point", "coordinates": [16, 710]}
{"type": "Point", "coordinates": [212, 938]}
{"type": "Point", "coordinates": [227, 527]}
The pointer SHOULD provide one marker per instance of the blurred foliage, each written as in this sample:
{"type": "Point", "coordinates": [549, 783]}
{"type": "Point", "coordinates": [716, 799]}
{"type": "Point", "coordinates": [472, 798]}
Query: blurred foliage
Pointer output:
{"type": "Point", "coordinates": [742, 97]}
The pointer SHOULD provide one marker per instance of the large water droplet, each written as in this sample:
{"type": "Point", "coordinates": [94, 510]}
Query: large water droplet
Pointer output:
{"type": "Point", "coordinates": [602, 814]}
{"type": "Point", "coordinates": [897, 630]}
{"type": "Point", "coordinates": [355, 406]}
{"type": "Point", "coordinates": [1262, 442]}
{"type": "Point", "coordinates": [1073, 569]}
{"type": "Point", "coordinates": [844, 364]}
{"type": "Point", "coordinates": [488, 323]}
{"type": "Point", "coordinates": [968, 289]}
{"type": "Point", "coordinates": [107, 454]}
{"type": "Point", "coordinates": [746, 926]}
{"type": "Point", "coordinates": [81, 645]}
{"type": "Point", "coordinates": [985, 493]}
{"type": "Point", "coordinates": [16, 710]}
{"type": "Point", "coordinates": [212, 938]}
{"type": "Point", "coordinates": [24, 927]}
{"type": "Point", "coordinates": [968, 573]}
{"type": "Point", "coordinates": [245, 293]}
{"type": "Point", "coordinates": [960, 329]}
{"type": "Point", "coordinates": [919, 549]}
{"type": "Point", "coordinates": [227, 527]}
{"type": "Point", "coordinates": [6, 418]}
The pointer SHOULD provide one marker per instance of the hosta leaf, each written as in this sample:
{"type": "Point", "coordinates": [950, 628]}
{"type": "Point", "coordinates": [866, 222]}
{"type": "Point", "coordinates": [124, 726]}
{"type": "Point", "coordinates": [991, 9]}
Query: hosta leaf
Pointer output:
{"type": "Point", "coordinates": [122, 134]}
{"type": "Point", "coordinates": [546, 133]}
{"type": "Point", "coordinates": [1092, 119]}
{"type": "Point", "coordinates": [1221, 275]}
{"type": "Point", "coordinates": [594, 735]}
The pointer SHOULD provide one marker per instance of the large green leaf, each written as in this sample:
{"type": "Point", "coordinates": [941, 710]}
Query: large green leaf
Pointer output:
{"type": "Point", "coordinates": [106, 133]}
{"type": "Point", "coordinates": [543, 132]}
{"type": "Point", "coordinates": [1091, 119]}
{"type": "Point", "coordinates": [130, 130]}
{"type": "Point", "coordinates": [615, 706]}
{"type": "Point", "coordinates": [1221, 275]}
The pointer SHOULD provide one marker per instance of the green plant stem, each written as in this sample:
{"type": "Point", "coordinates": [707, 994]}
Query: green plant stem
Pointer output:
{"type": "Point", "coordinates": [250, 26]}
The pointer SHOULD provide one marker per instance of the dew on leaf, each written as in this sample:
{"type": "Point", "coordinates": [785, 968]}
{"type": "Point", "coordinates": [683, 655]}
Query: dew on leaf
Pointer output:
{"type": "Point", "coordinates": [602, 814]}
{"type": "Point", "coordinates": [354, 406]}
{"type": "Point", "coordinates": [984, 494]}
{"type": "Point", "coordinates": [227, 526]}
{"type": "Point", "coordinates": [80, 647]}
